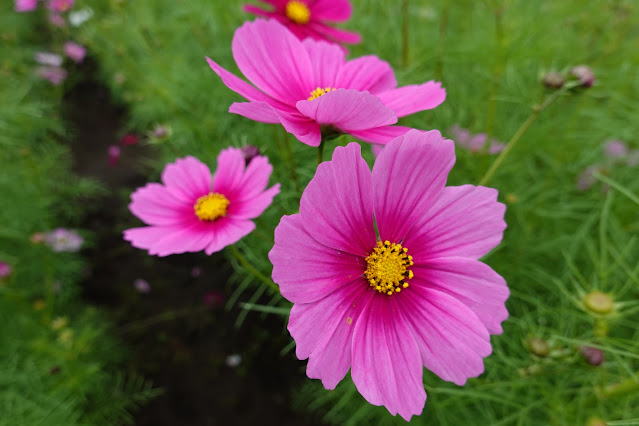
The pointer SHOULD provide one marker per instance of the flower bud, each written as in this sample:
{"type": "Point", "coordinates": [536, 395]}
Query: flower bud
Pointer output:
{"type": "Point", "coordinates": [553, 80]}
{"type": "Point", "coordinates": [250, 152]}
{"type": "Point", "coordinates": [593, 356]}
{"type": "Point", "coordinates": [584, 74]}
{"type": "Point", "coordinates": [538, 346]}
{"type": "Point", "coordinates": [599, 303]}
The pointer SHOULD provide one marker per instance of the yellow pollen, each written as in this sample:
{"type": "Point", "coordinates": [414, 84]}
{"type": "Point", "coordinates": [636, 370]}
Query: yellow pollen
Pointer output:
{"type": "Point", "coordinates": [387, 270]}
{"type": "Point", "coordinates": [298, 12]}
{"type": "Point", "coordinates": [319, 92]}
{"type": "Point", "coordinates": [211, 206]}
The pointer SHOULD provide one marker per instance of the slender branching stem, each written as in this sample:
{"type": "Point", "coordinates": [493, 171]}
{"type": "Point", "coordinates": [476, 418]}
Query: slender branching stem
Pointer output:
{"type": "Point", "coordinates": [251, 269]}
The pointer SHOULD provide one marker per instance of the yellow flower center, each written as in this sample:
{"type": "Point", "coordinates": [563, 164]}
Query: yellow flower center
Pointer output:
{"type": "Point", "coordinates": [298, 12]}
{"type": "Point", "coordinates": [319, 92]}
{"type": "Point", "coordinates": [211, 206]}
{"type": "Point", "coordinates": [387, 270]}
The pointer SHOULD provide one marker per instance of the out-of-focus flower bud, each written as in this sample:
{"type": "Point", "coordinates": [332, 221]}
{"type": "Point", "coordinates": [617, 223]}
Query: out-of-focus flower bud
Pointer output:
{"type": "Point", "coordinates": [584, 74]}
{"type": "Point", "coordinates": [538, 346]}
{"type": "Point", "coordinates": [250, 152]}
{"type": "Point", "coordinates": [553, 80]}
{"type": "Point", "coordinates": [599, 303]}
{"type": "Point", "coordinates": [592, 355]}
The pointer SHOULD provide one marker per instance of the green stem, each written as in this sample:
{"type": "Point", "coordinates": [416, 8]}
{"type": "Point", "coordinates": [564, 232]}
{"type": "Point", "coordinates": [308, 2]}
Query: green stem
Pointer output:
{"type": "Point", "coordinates": [443, 30]}
{"type": "Point", "coordinates": [497, 72]}
{"type": "Point", "coordinates": [537, 109]}
{"type": "Point", "coordinates": [158, 319]}
{"type": "Point", "coordinates": [291, 161]}
{"type": "Point", "coordinates": [320, 152]}
{"type": "Point", "coordinates": [405, 31]}
{"type": "Point", "coordinates": [257, 274]}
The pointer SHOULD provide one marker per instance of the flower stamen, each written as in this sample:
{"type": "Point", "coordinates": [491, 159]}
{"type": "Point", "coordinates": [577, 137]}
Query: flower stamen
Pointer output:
{"type": "Point", "coordinates": [319, 92]}
{"type": "Point", "coordinates": [387, 270]}
{"type": "Point", "coordinates": [298, 12]}
{"type": "Point", "coordinates": [211, 206]}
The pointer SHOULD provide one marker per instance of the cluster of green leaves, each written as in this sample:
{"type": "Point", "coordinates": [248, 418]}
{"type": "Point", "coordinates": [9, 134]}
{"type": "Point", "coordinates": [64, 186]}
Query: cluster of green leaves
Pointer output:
{"type": "Point", "coordinates": [59, 364]}
{"type": "Point", "coordinates": [490, 55]}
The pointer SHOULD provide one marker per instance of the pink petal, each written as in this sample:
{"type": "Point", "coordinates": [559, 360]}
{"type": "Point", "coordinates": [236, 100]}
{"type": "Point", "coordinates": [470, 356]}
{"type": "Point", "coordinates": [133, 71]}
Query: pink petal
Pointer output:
{"type": "Point", "coordinates": [240, 86]}
{"type": "Point", "coordinates": [254, 178]}
{"type": "Point", "coordinates": [254, 207]}
{"type": "Point", "coordinates": [230, 170]}
{"type": "Point", "coordinates": [226, 231]}
{"type": "Point", "coordinates": [326, 61]}
{"type": "Point", "coordinates": [471, 282]}
{"type": "Point", "coordinates": [337, 35]}
{"type": "Point", "coordinates": [348, 110]}
{"type": "Point", "coordinates": [166, 240]}
{"type": "Point", "coordinates": [465, 221]}
{"type": "Point", "coordinates": [258, 11]}
{"type": "Point", "coordinates": [451, 339]}
{"type": "Point", "coordinates": [273, 59]}
{"type": "Point", "coordinates": [323, 331]}
{"type": "Point", "coordinates": [257, 111]}
{"type": "Point", "coordinates": [303, 128]}
{"type": "Point", "coordinates": [337, 204]}
{"type": "Point", "coordinates": [411, 99]}
{"type": "Point", "coordinates": [381, 135]}
{"type": "Point", "coordinates": [154, 205]}
{"type": "Point", "coordinates": [408, 177]}
{"type": "Point", "coordinates": [187, 179]}
{"type": "Point", "coordinates": [366, 73]}
{"type": "Point", "coordinates": [387, 369]}
{"type": "Point", "coordinates": [331, 10]}
{"type": "Point", "coordinates": [306, 270]}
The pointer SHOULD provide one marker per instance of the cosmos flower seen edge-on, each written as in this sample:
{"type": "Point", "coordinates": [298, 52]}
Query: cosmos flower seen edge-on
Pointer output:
{"type": "Point", "coordinates": [312, 90]}
{"type": "Point", "coordinates": [310, 18]}
{"type": "Point", "coordinates": [194, 211]}
{"type": "Point", "coordinates": [418, 296]}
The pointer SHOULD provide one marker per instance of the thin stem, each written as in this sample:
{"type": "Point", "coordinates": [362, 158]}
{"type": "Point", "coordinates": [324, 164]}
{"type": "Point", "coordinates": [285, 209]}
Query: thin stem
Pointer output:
{"type": "Point", "coordinates": [320, 152]}
{"type": "Point", "coordinates": [291, 161]}
{"type": "Point", "coordinates": [405, 31]}
{"type": "Point", "coordinates": [257, 274]}
{"type": "Point", "coordinates": [443, 30]}
{"type": "Point", "coordinates": [497, 72]}
{"type": "Point", "coordinates": [159, 318]}
{"type": "Point", "coordinates": [537, 109]}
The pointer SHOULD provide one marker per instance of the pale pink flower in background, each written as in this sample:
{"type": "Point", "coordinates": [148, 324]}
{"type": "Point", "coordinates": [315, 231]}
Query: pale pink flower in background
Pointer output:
{"type": "Point", "coordinates": [48, 58]}
{"type": "Point", "coordinates": [416, 296]}
{"type": "Point", "coordinates": [192, 211]}
{"type": "Point", "coordinates": [584, 74]}
{"type": "Point", "coordinates": [54, 75]}
{"type": "Point", "coordinates": [75, 51]}
{"type": "Point", "coordinates": [114, 152]}
{"type": "Point", "coordinates": [313, 91]}
{"type": "Point", "coordinates": [615, 149]}
{"type": "Point", "coordinates": [475, 142]}
{"type": "Point", "coordinates": [60, 5]}
{"type": "Point", "coordinates": [56, 19]}
{"type": "Point", "coordinates": [25, 5]}
{"type": "Point", "coordinates": [61, 240]}
{"type": "Point", "coordinates": [310, 18]}
{"type": "Point", "coordinates": [5, 270]}
{"type": "Point", "coordinates": [250, 152]}
{"type": "Point", "coordinates": [587, 178]}
{"type": "Point", "coordinates": [142, 285]}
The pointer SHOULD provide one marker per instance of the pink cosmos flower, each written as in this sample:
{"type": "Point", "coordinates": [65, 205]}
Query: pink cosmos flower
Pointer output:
{"type": "Point", "coordinates": [475, 143]}
{"type": "Point", "coordinates": [25, 5]}
{"type": "Point", "coordinates": [313, 91]}
{"type": "Point", "coordinates": [75, 51]}
{"type": "Point", "coordinates": [191, 211]}
{"type": "Point", "coordinates": [416, 296]}
{"type": "Point", "coordinates": [114, 152]}
{"type": "Point", "coordinates": [307, 18]}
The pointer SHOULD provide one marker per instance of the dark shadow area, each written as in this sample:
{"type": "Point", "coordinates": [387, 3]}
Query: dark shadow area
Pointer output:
{"type": "Point", "coordinates": [178, 334]}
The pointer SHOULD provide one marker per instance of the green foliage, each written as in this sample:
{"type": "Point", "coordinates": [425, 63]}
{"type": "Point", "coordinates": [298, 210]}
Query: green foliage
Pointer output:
{"type": "Point", "coordinates": [490, 56]}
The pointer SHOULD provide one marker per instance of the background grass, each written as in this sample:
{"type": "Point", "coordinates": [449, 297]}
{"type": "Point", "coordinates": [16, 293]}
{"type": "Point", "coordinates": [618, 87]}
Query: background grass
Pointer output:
{"type": "Point", "coordinates": [490, 55]}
